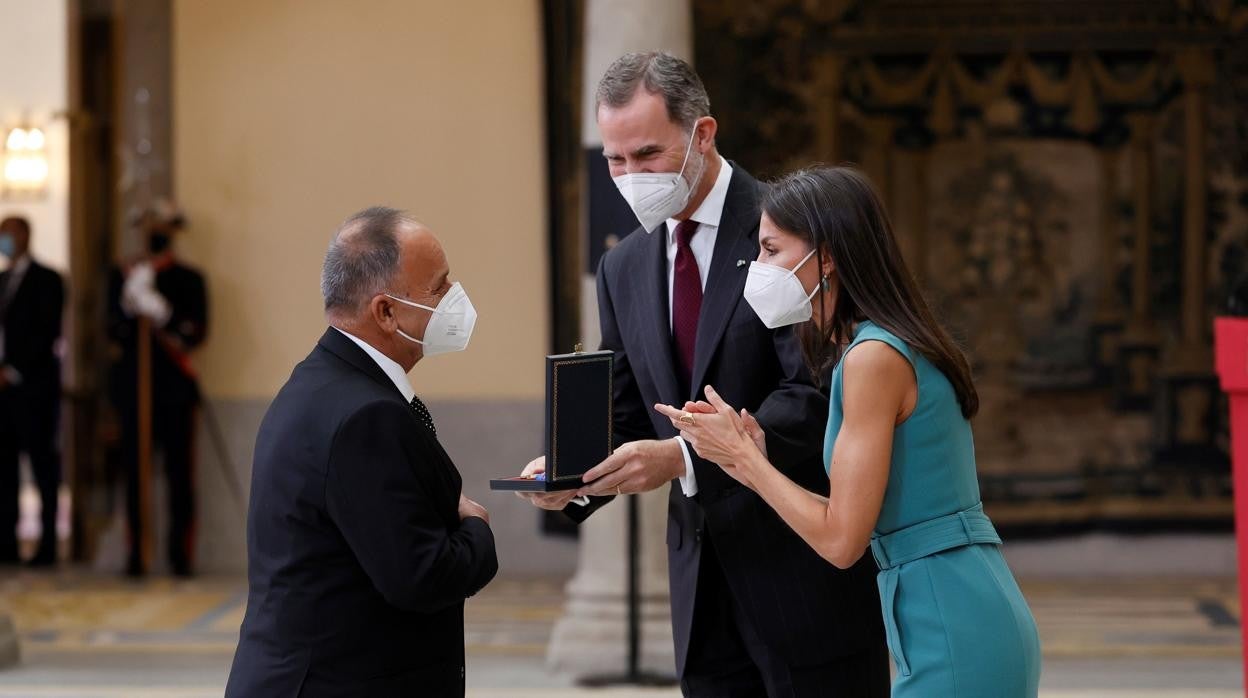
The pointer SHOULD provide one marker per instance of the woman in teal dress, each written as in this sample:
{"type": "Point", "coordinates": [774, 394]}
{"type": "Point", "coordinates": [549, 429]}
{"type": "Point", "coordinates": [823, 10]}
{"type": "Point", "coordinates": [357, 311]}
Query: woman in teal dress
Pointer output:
{"type": "Point", "coordinates": [899, 450]}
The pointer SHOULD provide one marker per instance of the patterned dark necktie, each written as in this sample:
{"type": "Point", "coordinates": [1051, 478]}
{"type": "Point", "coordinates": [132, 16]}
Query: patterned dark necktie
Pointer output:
{"type": "Point", "coordinates": [686, 300]}
{"type": "Point", "coordinates": [422, 413]}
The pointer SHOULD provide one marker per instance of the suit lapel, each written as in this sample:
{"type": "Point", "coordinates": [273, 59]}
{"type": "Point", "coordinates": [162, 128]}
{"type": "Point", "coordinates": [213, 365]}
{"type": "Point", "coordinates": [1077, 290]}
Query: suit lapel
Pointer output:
{"type": "Point", "coordinates": [736, 240]}
{"type": "Point", "coordinates": [658, 338]}
{"type": "Point", "coordinates": [339, 345]}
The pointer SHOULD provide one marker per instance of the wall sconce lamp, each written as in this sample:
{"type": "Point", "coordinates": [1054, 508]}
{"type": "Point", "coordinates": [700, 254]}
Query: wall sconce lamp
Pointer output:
{"type": "Point", "coordinates": [25, 163]}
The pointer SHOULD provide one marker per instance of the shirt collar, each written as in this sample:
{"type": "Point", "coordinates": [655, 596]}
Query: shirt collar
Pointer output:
{"type": "Point", "coordinates": [388, 365]}
{"type": "Point", "coordinates": [712, 208]}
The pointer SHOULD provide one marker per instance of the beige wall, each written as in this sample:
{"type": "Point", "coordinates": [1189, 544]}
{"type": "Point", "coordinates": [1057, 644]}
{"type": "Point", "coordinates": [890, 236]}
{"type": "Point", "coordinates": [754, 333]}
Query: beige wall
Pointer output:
{"type": "Point", "coordinates": [291, 114]}
{"type": "Point", "coordinates": [33, 92]}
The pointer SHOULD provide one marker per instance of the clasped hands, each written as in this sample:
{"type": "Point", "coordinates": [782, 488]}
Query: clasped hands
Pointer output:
{"type": "Point", "coordinates": [719, 433]}
{"type": "Point", "coordinates": [713, 429]}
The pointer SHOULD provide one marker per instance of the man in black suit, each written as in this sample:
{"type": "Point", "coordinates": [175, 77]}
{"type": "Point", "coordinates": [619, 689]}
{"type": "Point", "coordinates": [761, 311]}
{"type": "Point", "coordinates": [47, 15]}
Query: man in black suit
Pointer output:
{"type": "Point", "coordinates": [32, 298]}
{"type": "Point", "coordinates": [173, 297]}
{"type": "Point", "coordinates": [361, 547]}
{"type": "Point", "coordinates": [754, 610]}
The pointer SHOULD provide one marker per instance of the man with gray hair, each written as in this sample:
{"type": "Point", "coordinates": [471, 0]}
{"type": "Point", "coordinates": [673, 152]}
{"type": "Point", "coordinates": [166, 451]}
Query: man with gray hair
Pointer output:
{"type": "Point", "coordinates": [754, 611]}
{"type": "Point", "coordinates": [361, 547]}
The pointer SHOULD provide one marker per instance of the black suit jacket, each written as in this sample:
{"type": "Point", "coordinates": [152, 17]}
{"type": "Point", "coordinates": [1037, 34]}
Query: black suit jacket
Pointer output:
{"type": "Point", "coordinates": [173, 381]}
{"type": "Point", "coordinates": [804, 608]}
{"type": "Point", "coordinates": [357, 562]}
{"type": "Point", "coordinates": [32, 324]}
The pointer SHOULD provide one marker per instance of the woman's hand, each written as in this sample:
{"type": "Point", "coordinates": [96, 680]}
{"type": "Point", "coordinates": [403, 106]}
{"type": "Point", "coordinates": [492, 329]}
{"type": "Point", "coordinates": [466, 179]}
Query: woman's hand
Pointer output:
{"type": "Point", "coordinates": [719, 434]}
{"type": "Point", "coordinates": [752, 427]}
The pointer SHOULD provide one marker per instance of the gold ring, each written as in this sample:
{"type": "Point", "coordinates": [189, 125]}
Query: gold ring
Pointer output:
{"type": "Point", "coordinates": [686, 418]}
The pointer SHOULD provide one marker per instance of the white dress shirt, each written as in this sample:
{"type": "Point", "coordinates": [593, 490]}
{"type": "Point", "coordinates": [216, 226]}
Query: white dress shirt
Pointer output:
{"type": "Point", "coordinates": [702, 245]}
{"type": "Point", "coordinates": [388, 365]}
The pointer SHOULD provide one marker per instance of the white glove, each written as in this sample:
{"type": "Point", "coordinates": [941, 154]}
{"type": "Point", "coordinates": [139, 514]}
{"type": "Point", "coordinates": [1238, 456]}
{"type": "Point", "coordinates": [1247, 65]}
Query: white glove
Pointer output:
{"type": "Point", "coordinates": [153, 306]}
{"type": "Point", "coordinates": [140, 297]}
{"type": "Point", "coordinates": [140, 277]}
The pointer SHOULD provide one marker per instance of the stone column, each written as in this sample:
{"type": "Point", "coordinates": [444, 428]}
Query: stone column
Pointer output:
{"type": "Point", "coordinates": [591, 636]}
{"type": "Point", "coordinates": [1196, 68]}
{"type": "Point", "coordinates": [1138, 352]}
{"type": "Point", "coordinates": [144, 113]}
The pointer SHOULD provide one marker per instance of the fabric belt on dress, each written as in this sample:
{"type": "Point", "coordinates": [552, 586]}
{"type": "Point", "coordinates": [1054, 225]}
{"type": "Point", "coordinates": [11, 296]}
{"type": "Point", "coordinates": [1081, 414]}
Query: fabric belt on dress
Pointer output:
{"type": "Point", "coordinates": [967, 527]}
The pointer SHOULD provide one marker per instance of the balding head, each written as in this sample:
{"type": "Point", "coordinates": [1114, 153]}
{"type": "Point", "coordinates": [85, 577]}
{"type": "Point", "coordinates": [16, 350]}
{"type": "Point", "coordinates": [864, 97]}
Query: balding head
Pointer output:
{"type": "Point", "coordinates": [378, 253]}
{"type": "Point", "coordinates": [363, 259]}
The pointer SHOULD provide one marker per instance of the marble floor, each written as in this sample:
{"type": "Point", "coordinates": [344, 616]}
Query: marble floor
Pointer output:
{"type": "Point", "coordinates": [86, 635]}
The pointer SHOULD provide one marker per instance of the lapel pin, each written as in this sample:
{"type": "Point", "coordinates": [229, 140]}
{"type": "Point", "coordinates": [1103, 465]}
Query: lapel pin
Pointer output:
{"type": "Point", "coordinates": [741, 263]}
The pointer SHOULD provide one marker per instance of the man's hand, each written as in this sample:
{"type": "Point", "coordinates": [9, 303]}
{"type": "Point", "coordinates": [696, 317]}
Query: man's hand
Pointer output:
{"type": "Point", "coordinates": [638, 466]}
{"type": "Point", "coordinates": [468, 508]}
{"type": "Point", "coordinates": [551, 501]}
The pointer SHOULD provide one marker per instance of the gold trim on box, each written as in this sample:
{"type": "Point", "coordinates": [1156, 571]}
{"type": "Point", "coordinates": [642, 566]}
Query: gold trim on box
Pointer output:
{"type": "Point", "coordinates": [554, 416]}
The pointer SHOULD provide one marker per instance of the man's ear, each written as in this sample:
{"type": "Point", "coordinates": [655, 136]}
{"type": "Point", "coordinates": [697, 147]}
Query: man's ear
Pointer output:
{"type": "Point", "coordinates": [381, 310]}
{"type": "Point", "coordinates": [706, 128]}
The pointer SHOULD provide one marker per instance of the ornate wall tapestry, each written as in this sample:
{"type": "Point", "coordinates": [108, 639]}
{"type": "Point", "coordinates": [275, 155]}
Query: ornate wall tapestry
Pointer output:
{"type": "Point", "coordinates": [1070, 183]}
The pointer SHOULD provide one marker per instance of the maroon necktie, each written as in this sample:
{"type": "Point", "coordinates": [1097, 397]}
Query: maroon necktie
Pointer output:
{"type": "Point", "coordinates": [686, 300]}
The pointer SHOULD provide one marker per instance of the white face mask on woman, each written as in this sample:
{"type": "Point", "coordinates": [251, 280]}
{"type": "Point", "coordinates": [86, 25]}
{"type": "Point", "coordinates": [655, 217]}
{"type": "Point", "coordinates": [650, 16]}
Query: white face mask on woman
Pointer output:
{"type": "Point", "coordinates": [776, 294]}
{"type": "Point", "coordinates": [451, 325]}
{"type": "Point", "coordinates": [657, 196]}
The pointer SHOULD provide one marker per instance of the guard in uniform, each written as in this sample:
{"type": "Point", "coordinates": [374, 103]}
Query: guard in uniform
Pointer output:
{"type": "Point", "coordinates": [173, 298]}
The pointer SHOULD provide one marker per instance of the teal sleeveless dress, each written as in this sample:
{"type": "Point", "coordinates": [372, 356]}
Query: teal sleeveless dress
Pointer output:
{"type": "Point", "coordinates": [957, 624]}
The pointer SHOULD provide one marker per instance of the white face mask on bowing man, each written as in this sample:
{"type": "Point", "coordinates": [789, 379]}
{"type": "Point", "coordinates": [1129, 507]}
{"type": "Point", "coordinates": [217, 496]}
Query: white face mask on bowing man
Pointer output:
{"type": "Point", "coordinates": [450, 327]}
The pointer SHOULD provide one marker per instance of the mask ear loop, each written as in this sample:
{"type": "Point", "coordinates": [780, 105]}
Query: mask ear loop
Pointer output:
{"type": "Point", "coordinates": [413, 304]}
{"type": "Point", "coordinates": [818, 286]}
{"type": "Point", "coordinates": [689, 149]}
{"type": "Point", "coordinates": [408, 337]}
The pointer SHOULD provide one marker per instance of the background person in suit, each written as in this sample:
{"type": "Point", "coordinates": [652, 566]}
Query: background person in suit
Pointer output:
{"type": "Point", "coordinates": [32, 298]}
{"type": "Point", "coordinates": [173, 296]}
{"type": "Point", "coordinates": [361, 547]}
{"type": "Point", "coordinates": [754, 611]}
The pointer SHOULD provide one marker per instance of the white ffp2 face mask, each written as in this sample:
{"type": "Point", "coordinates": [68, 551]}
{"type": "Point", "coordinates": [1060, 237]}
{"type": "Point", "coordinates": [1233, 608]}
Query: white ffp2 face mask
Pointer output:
{"type": "Point", "coordinates": [450, 326]}
{"type": "Point", "coordinates": [777, 295]}
{"type": "Point", "coordinates": [657, 196]}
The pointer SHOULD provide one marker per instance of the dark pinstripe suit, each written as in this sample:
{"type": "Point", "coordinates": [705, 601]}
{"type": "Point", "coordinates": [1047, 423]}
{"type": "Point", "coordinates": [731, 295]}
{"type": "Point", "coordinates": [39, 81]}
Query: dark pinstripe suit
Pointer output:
{"type": "Point", "coordinates": [749, 597]}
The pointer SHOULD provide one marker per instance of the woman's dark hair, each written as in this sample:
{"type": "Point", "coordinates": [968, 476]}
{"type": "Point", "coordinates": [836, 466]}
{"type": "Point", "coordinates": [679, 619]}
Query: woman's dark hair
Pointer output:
{"type": "Point", "coordinates": [838, 212]}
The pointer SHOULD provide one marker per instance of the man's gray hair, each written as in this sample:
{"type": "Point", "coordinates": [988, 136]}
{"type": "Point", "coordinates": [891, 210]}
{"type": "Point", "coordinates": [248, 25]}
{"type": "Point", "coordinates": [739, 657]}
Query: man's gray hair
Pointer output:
{"type": "Point", "coordinates": [661, 74]}
{"type": "Point", "coordinates": [363, 259]}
